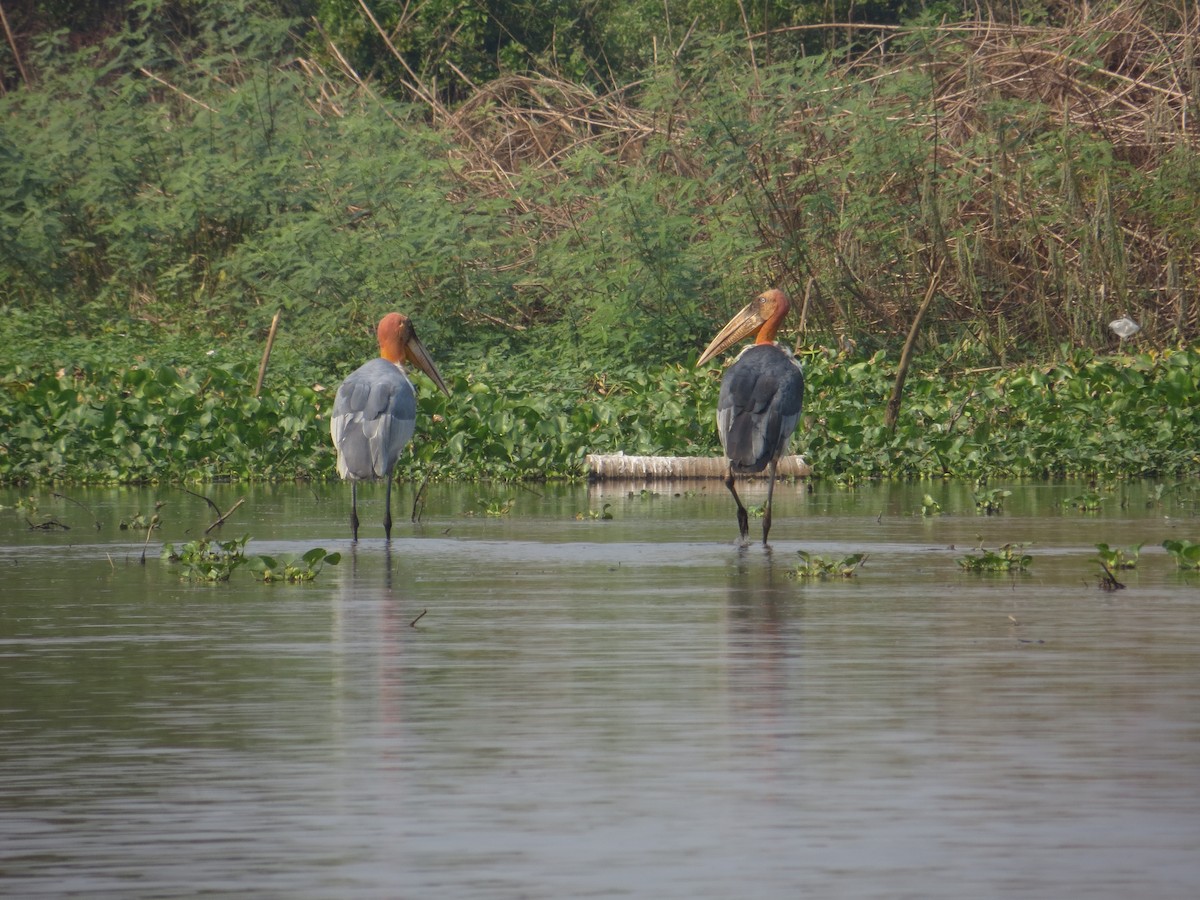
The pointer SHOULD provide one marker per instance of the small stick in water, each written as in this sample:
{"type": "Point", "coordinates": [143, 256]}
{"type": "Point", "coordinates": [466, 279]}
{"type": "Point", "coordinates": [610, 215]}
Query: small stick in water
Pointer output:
{"type": "Point", "coordinates": [80, 505]}
{"type": "Point", "coordinates": [419, 500]}
{"type": "Point", "coordinates": [221, 521]}
{"type": "Point", "coordinates": [154, 522]}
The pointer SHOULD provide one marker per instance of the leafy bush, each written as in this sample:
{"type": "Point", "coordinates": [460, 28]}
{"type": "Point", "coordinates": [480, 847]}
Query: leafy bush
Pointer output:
{"type": "Point", "coordinates": [203, 166]}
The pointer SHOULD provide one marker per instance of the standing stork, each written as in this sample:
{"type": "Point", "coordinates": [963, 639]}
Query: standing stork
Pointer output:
{"type": "Point", "coordinates": [762, 395]}
{"type": "Point", "coordinates": [375, 412]}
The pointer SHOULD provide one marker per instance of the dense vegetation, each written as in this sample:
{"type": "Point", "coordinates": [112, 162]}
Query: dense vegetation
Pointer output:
{"type": "Point", "coordinates": [1086, 415]}
{"type": "Point", "coordinates": [568, 213]}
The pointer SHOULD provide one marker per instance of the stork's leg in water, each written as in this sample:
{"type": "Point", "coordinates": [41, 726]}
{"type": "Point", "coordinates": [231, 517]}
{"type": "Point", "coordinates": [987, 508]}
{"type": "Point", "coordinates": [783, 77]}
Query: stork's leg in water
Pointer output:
{"type": "Point", "coordinates": [387, 509]}
{"type": "Point", "coordinates": [354, 510]}
{"type": "Point", "coordinates": [767, 509]}
{"type": "Point", "coordinates": [743, 516]}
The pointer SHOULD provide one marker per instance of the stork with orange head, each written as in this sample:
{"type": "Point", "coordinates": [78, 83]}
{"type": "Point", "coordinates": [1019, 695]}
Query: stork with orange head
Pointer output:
{"type": "Point", "coordinates": [762, 396]}
{"type": "Point", "coordinates": [375, 412]}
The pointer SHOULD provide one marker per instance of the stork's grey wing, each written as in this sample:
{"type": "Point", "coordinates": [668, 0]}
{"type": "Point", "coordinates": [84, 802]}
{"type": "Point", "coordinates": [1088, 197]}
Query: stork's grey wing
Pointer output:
{"type": "Point", "coordinates": [762, 395]}
{"type": "Point", "coordinates": [374, 415]}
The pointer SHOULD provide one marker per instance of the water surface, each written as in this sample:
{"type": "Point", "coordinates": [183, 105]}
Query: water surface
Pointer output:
{"type": "Point", "coordinates": [548, 704]}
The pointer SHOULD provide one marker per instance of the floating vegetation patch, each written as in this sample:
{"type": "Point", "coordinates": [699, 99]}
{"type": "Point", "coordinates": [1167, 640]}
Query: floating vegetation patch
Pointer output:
{"type": "Point", "coordinates": [604, 513]}
{"type": "Point", "coordinates": [268, 570]}
{"type": "Point", "coordinates": [991, 502]}
{"type": "Point", "coordinates": [1088, 501]}
{"type": "Point", "coordinates": [813, 567]}
{"type": "Point", "coordinates": [206, 560]}
{"type": "Point", "coordinates": [1009, 558]}
{"type": "Point", "coordinates": [1185, 553]}
{"type": "Point", "coordinates": [1116, 558]}
{"type": "Point", "coordinates": [214, 561]}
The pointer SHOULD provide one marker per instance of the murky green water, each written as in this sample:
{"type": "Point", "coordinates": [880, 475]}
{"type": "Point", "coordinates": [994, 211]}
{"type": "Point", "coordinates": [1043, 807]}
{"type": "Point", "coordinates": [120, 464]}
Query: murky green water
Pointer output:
{"type": "Point", "coordinates": [629, 707]}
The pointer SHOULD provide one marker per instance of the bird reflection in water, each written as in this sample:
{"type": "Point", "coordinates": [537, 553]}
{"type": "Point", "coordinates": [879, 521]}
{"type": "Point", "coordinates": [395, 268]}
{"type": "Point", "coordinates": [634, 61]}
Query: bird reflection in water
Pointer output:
{"type": "Point", "coordinates": [763, 650]}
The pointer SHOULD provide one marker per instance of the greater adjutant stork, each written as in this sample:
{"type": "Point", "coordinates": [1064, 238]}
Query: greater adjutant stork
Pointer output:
{"type": "Point", "coordinates": [375, 412]}
{"type": "Point", "coordinates": [762, 395]}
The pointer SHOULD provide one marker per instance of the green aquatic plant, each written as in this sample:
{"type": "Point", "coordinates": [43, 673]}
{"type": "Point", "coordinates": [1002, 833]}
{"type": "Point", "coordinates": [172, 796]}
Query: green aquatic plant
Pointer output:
{"type": "Point", "coordinates": [930, 507]}
{"type": "Point", "coordinates": [493, 509]}
{"type": "Point", "coordinates": [205, 560]}
{"type": "Point", "coordinates": [103, 423]}
{"type": "Point", "coordinates": [1008, 558]}
{"type": "Point", "coordinates": [268, 569]}
{"type": "Point", "coordinates": [1185, 553]}
{"type": "Point", "coordinates": [991, 502]}
{"type": "Point", "coordinates": [1088, 501]}
{"type": "Point", "coordinates": [812, 566]}
{"type": "Point", "coordinates": [139, 521]}
{"type": "Point", "coordinates": [604, 513]}
{"type": "Point", "coordinates": [213, 561]}
{"type": "Point", "coordinates": [1115, 558]}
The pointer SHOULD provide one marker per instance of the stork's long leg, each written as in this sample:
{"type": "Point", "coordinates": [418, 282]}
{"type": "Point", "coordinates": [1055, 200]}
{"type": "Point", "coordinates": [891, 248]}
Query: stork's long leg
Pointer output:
{"type": "Point", "coordinates": [387, 509]}
{"type": "Point", "coordinates": [767, 509]}
{"type": "Point", "coordinates": [743, 516]}
{"type": "Point", "coordinates": [354, 510]}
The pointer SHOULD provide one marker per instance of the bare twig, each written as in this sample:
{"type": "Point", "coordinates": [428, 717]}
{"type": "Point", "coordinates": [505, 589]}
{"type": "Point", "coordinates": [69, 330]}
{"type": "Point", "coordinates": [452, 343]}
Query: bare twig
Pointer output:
{"type": "Point", "coordinates": [154, 520]}
{"type": "Point", "coordinates": [12, 42]}
{"type": "Point", "coordinates": [892, 413]}
{"type": "Point", "coordinates": [214, 506]}
{"type": "Point", "coordinates": [177, 90]}
{"type": "Point", "coordinates": [1109, 581]}
{"type": "Point", "coordinates": [80, 505]}
{"type": "Point", "coordinates": [221, 521]}
{"type": "Point", "coordinates": [262, 368]}
{"type": "Point", "coordinates": [418, 506]}
{"type": "Point", "coordinates": [47, 525]}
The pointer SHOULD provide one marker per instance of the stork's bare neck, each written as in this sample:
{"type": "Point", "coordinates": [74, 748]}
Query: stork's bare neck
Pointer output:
{"type": "Point", "coordinates": [775, 308]}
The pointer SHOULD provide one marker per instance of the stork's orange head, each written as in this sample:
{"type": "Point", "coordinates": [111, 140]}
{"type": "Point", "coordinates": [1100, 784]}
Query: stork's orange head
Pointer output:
{"type": "Point", "coordinates": [772, 306]}
{"type": "Point", "coordinates": [394, 331]}
{"type": "Point", "coordinates": [763, 314]}
{"type": "Point", "coordinates": [398, 343]}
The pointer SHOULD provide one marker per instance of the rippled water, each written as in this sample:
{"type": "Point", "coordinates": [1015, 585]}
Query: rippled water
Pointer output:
{"type": "Point", "coordinates": [539, 705]}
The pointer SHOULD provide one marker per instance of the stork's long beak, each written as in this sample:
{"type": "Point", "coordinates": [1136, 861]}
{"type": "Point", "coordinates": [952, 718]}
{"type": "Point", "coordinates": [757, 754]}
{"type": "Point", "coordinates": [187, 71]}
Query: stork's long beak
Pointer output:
{"type": "Point", "coordinates": [746, 322]}
{"type": "Point", "coordinates": [416, 352]}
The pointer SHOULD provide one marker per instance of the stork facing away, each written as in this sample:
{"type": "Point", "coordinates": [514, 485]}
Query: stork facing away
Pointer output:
{"type": "Point", "coordinates": [375, 412]}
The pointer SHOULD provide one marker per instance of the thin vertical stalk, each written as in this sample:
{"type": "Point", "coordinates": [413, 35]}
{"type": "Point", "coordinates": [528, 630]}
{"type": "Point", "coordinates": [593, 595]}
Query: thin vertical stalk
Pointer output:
{"type": "Point", "coordinates": [12, 42]}
{"type": "Point", "coordinates": [892, 412]}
